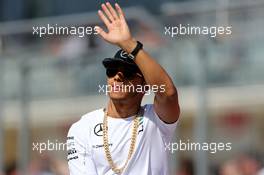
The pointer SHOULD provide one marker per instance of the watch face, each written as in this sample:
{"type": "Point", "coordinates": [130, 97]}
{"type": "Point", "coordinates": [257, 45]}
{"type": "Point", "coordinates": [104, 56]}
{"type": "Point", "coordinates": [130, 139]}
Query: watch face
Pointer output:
{"type": "Point", "coordinates": [131, 56]}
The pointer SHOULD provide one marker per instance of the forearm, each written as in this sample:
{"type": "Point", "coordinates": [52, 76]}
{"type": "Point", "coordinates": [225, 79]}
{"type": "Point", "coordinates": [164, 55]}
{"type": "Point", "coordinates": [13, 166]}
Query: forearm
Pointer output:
{"type": "Point", "coordinates": [153, 73]}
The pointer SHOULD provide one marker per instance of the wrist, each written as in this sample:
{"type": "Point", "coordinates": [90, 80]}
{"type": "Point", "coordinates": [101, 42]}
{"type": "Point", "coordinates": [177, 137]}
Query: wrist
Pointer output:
{"type": "Point", "coordinates": [128, 45]}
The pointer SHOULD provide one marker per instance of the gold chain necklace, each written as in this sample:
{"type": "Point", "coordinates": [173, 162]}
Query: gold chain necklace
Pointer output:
{"type": "Point", "coordinates": [106, 145]}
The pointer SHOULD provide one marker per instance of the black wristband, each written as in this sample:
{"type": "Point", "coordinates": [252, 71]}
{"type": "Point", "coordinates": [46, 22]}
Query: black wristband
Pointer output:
{"type": "Point", "coordinates": [134, 53]}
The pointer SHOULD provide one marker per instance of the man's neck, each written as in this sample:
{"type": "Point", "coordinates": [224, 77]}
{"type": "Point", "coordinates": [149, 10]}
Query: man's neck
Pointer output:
{"type": "Point", "coordinates": [122, 109]}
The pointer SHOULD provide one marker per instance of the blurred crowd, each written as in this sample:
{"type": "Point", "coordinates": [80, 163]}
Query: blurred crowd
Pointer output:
{"type": "Point", "coordinates": [44, 164]}
{"type": "Point", "coordinates": [243, 165]}
{"type": "Point", "coordinates": [246, 164]}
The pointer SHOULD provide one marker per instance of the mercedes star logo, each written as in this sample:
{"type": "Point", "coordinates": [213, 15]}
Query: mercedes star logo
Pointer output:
{"type": "Point", "coordinates": [98, 129]}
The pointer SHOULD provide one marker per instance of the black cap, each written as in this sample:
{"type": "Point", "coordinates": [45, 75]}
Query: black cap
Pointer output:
{"type": "Point", "coordinates": [122, 60]}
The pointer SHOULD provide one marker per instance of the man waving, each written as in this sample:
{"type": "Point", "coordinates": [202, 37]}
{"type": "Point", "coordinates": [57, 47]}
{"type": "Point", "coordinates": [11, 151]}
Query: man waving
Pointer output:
{"type": "Point", "coordinates": [124, 137]}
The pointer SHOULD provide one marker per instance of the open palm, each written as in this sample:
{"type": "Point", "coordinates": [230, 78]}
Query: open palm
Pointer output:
{"type": "Point", "coordinates": [115, 22]}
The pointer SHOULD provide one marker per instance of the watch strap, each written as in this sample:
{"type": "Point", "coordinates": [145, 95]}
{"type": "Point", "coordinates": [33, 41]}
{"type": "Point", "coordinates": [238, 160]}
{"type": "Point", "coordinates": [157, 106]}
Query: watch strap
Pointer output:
{"type": "Point", "coordinates": [134, 53]}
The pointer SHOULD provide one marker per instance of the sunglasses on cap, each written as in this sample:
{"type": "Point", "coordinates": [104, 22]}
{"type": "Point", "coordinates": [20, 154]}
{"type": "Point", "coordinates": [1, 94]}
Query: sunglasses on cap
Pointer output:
{"type": "Point", "coordinates": [111, 72]}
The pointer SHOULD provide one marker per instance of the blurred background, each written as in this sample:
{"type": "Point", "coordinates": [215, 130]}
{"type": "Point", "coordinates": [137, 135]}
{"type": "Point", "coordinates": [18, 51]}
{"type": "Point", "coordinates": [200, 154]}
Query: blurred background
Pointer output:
{"type": "Point", "coordinates": [48, 83]}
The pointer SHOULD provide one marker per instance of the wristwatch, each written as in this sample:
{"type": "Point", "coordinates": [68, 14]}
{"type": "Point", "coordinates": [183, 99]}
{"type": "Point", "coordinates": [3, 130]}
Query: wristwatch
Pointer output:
{"type": "Point", "coordinates": [134, 53]}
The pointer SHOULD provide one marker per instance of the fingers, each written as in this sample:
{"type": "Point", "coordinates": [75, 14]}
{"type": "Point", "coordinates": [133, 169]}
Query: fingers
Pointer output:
{"type": "Point", "coordinates": [107, 12]}
{"type": "Point", "coordinates": [103, 18]}
{"type": "Point", "coordinates": [120, 12]}
{"type": "Point", "coordinates": [113, 12]}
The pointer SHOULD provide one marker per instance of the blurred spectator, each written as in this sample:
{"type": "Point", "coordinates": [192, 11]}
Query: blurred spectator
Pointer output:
{"type": "Point", "coordinates": [245, 164]}
{"type": "Point", "coordinates": [249, 164]}
{"type": "Point", "coordinates": [47, 165]}
{"type": "Point", "coordinates": [12, 169]}
{"type": "Point", "coordinates": [41, 166]}
{"type": "Point", "coordinates": [230, 168]}
{"type": "Point", "coordinates": [186, 167]}
{"type": "Point", "coordinates": [60, 167]}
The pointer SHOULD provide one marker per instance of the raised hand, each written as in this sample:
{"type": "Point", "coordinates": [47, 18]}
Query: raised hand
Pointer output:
{"type": "Point", "coordinates": [114, 19]}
